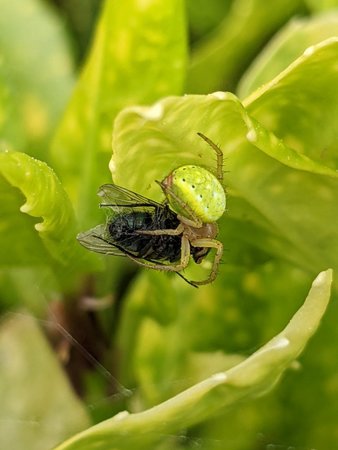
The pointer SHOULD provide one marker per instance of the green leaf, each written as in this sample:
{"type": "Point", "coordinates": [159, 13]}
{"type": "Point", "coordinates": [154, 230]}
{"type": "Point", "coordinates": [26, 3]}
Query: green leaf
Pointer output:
{"type": "Point", "coordinates": [38, 407]}
{"type": "Point", "coordinates": [279, 200]}
{"type": "Point", "coordinates": [230, 316]}
{"type": "Point", "coordinates": [222, 391]}
{"type": "Point", "coordinates": [321, 5]}
{"type": "Point", "coordinates": [167, 133]}
{"type": "Point", "coordinates": [205, 16]}
{"type": "Point", "coordinates": [36, 74]}
{"type": "Point", "coordinates": [26, 286]}
{"type": "Point", "coordinates": [288, 45]}
{"type": "Point", "coordinates": [301, 103]}
{"type": "Point", "coordinates": [138, 56]}
{"type": "Point", "coordinates": [30, 190]}
{"type": "Point", "coordinates": [219, 59]}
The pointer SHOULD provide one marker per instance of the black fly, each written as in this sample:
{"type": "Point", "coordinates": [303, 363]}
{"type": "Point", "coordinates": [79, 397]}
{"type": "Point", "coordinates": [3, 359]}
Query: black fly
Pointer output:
{"type": "Point", "coordinates": [130, 214]}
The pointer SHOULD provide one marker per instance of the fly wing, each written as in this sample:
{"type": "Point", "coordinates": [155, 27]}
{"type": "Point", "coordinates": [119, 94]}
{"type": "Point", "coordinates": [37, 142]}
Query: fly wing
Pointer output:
{"type": "Point", "coordinates": [117, 196]}
{"type": "Point", "coordinates": [96, 241]}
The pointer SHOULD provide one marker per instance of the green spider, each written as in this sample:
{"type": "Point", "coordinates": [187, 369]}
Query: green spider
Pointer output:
{"type": "Point", "coordinates": [198, 198]}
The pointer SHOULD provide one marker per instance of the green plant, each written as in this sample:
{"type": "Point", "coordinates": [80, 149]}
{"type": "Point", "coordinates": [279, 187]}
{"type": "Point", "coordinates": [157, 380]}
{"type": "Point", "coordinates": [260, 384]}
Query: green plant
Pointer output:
{"type": "Point", "coordinates": [183, 349]}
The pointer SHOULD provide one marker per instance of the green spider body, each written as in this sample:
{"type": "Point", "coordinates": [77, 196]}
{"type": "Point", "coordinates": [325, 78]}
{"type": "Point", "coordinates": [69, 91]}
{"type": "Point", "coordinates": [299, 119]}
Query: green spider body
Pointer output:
{"type": "Point", "coordinates": [198, 189]}
{"type": "Point", "coordinates": [198, 198]}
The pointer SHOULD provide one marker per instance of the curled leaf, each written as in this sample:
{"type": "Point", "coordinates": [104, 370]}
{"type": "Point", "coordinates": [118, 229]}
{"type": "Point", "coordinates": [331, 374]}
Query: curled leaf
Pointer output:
{"type": "Point", "coordinates": [223, 390]}
{"type": "Point", "coordinates": [26, 178]}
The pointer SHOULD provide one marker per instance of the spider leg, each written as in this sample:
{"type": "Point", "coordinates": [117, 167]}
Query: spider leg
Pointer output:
{"type": "Point", "coordinates": [184, 261]}
{"type": "Point", "coordinates": [218, 246]}
{"type": "Point", "coordinates": [177, 231]}
{"type": "Point", "coordinates": [180, 275]}
{"type": "Point", "coordinates": [219, 154]}
{"type": "Point", "coordinates": [194, 222]}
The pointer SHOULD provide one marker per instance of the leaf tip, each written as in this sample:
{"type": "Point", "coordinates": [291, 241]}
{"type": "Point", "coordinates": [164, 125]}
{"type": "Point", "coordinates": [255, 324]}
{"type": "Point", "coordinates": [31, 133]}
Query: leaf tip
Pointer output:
{"type": "Point", "coordinates": [26, 208]}
{"type": "Point", "coordinates": [40, 227]}
{"type": "Point", "coordinates": [323, 278]}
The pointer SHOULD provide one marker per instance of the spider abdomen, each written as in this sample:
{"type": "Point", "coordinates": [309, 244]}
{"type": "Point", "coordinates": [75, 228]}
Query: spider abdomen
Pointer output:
{"type": "Point", "coordinates": [198, 188]}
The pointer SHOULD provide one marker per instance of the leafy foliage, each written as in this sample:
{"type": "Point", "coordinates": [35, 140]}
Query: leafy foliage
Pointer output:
{"type": "Point", "coordinates": [189, 359]}
{"type": "Point", "coordinates": [45, 198]}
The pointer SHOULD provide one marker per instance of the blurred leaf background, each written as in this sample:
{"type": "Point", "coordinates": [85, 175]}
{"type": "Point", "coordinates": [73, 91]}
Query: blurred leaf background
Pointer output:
{"type": "Point", "coordinates": [93, 91]}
